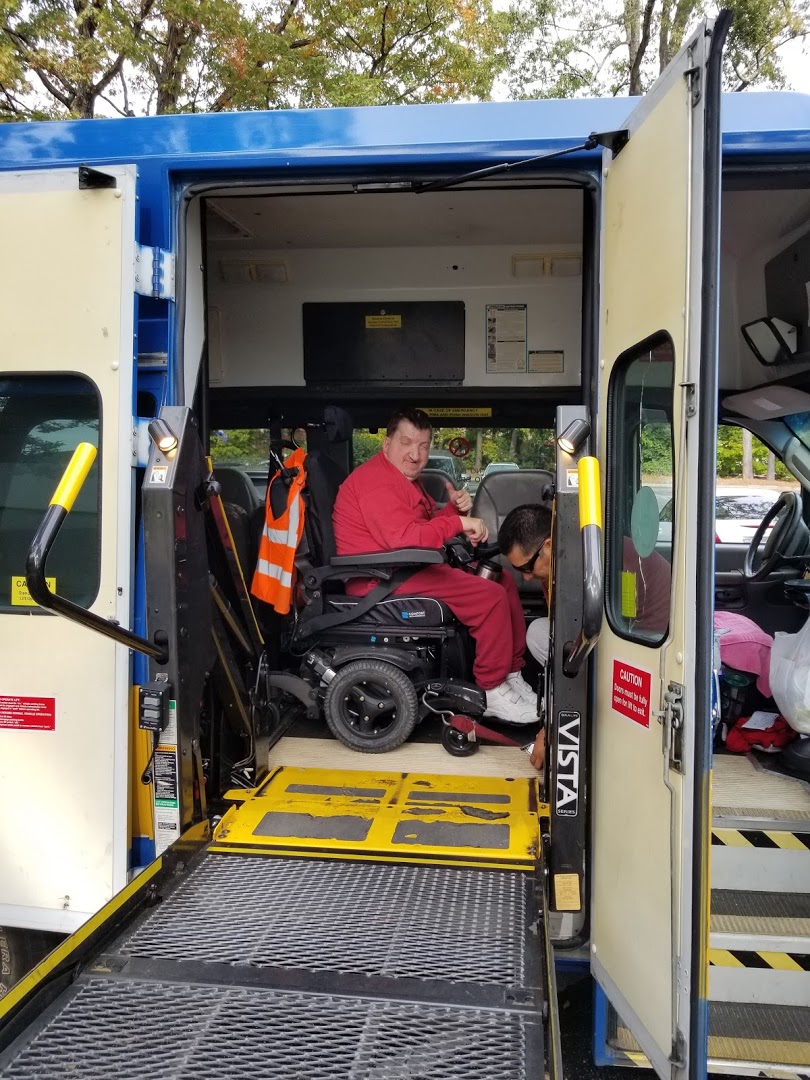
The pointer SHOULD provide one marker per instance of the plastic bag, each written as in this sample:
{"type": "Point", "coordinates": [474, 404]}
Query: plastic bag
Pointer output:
{"type": "Point", "coordinates": [790, 677]}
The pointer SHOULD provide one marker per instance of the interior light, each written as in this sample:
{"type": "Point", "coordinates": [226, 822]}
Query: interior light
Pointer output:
{"type": "Point", "coordinates": [574, 436]}
{"type": "Point", "coordinates": [162, 436]}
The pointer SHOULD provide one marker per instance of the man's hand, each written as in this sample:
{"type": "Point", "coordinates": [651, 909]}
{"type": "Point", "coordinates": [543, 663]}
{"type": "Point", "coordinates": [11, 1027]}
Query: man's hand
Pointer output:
{"type": "Point", "coordinates": [460, 499]}
{"type": "Point", "coordinates": [475, 529]}
{"type": "Point", "coordinates": [538, 755]}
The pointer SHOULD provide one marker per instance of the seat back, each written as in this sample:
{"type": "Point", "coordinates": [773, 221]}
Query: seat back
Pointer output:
{"type": "Point", "coordinates": [237, 487]}
{"type": "Point", "coordinates": [501, 492]}
{"type": "Point", "coordinates": [324, 477]}
{"type": "Point", "coordinates": [433, 481]}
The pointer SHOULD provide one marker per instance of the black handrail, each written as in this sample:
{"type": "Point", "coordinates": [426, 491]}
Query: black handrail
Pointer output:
{"type": "Point", "coordinates": [59, 508]}
{"type": "Point", "coordinates": [590, 527]}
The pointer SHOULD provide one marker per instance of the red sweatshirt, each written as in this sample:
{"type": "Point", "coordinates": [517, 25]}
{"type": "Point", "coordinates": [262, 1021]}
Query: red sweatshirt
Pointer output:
{"type": "Point", "coordinates": [379, 509]}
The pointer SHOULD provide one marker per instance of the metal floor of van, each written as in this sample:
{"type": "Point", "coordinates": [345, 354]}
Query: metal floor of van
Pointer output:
{"type": "Point", "coordinates": [274, 964]}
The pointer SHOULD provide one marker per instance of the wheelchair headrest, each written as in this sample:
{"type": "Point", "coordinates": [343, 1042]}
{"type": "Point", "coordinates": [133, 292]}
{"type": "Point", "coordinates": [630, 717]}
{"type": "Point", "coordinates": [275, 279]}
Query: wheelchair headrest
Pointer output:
{"type": "Point", "coordinates": [338, 424]}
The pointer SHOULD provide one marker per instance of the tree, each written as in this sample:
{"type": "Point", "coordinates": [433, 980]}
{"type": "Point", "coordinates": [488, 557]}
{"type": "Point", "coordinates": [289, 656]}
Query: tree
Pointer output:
{"type": "Point", "coordinates": [620, 46]}
{"type": "Point", "coordinates": [75, 58]}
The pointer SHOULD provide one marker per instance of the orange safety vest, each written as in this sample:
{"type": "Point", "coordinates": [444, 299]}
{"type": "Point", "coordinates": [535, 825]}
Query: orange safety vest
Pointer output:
{"type": "Point", "coordinates": [273, 579]}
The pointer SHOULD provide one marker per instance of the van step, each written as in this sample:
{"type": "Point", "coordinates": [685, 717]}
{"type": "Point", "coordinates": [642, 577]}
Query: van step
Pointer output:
{"type": "Point", "coordinates": [741, 1031]}
{"type": "Point", "coordinates": [279, 967]}
{"type": "Point", "coordinates": [761, 914]}
{"type": "Point", "coordinates": [757, 860]}
{"type": "Point", "coordinates": [759, 1035]}
{"type": "Point", "coordinates": [742, 789]}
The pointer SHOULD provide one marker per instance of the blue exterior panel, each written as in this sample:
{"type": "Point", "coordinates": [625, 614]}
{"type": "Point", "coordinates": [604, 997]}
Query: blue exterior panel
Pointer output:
{"type": "Point", "coordinates": [174, 149]}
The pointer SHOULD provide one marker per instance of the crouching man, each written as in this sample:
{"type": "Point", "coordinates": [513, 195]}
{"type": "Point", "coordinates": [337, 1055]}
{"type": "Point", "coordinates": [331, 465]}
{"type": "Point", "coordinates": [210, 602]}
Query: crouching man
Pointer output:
{"type": "Point", "coordinates": [382, 506]}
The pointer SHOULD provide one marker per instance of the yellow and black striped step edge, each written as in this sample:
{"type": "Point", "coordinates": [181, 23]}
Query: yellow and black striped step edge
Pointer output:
{"type": "Point", "coordinates": [761, 838]}
{"type": "Point", "coordinates": [774, 961]}
{"type": "Point", "coordinates": [490, 822]}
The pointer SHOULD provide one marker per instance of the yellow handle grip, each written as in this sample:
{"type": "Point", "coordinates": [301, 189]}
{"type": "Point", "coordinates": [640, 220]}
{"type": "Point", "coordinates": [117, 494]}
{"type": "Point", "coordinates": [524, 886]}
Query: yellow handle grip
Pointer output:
{"type": "Point", "coordinates": [74, 476]}
{"type": "Point", "coordinates": [590, 492]}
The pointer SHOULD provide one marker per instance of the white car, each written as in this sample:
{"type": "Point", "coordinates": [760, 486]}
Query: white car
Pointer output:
{"type": "Point", "coordinates": [738, 514]}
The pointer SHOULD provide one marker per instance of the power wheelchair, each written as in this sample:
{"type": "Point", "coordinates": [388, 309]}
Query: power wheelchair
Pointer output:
{"type": "Point", "coordinates": [376, 665]}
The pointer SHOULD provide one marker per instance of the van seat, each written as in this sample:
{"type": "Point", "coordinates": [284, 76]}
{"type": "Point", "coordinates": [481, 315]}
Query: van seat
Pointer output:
{"type": "Point", "coordinates": [501, 492]}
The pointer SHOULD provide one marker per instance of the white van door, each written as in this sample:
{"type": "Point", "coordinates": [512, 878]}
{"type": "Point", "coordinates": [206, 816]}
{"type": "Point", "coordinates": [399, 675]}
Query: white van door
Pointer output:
{"type": "Point", "coordinates": [658, 357]}
{"type": "Point", "coordinates": [67, 279]}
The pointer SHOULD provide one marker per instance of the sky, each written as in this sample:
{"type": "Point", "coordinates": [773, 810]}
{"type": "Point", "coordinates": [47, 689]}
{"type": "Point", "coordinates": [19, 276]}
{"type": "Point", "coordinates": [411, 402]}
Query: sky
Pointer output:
{"type": "Point", "coordinates": [796, 62]}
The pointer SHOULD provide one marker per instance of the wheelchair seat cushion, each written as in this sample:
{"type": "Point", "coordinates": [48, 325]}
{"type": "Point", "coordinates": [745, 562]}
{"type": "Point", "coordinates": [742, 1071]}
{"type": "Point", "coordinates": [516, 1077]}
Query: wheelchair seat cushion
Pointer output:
{"type": "Point", "coordinates": [401, 611]}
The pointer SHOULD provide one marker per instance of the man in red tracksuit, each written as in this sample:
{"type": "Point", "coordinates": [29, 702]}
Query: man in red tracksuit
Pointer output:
{"type": "Point", "coordinates": [383, 506]}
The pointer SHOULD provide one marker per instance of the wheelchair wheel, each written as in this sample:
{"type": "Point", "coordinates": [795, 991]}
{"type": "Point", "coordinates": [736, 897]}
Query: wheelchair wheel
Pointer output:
{"type": "Point", "coordinates": [371, 706]}
{"type": "Point", "coordinates": [457, 743]}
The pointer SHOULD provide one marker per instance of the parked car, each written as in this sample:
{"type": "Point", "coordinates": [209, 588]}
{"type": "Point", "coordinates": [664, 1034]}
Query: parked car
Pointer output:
{"type": "Point", "coordinates": [499, 466]}
{"type": "Point", "coordinates": [444, 460]}
{"type": "Point", "coordinates": [738, 514]}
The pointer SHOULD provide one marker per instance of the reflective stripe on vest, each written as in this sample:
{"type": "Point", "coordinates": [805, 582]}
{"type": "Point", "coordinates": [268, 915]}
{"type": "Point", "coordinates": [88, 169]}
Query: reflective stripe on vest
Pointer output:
{"type": "Point", "coordinates": [273, 578]}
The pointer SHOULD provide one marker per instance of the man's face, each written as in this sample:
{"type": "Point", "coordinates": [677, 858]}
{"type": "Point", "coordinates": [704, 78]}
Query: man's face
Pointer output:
{"type": "Point", "coordinates": [534, 563]}
{"type": "Point", "coordinates": [408, 449]}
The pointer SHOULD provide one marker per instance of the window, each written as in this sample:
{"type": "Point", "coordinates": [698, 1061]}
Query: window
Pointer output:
{"type": "Point", "coordinates": [42, 421]}
{"type": "Point", "coordinates": [470, 454]}
{"type": "Point", "coordinates": [641, 513]}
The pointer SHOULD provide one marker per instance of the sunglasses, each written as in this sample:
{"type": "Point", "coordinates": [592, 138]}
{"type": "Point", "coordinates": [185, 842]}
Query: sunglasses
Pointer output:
{"type": "Point", "coordinates": [528, 567]}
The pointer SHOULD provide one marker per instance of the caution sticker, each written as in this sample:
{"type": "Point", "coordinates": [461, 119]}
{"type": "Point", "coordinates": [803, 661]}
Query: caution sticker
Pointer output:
{"type": "Point", "coordinates": [572, 478]}
{"type": "Point", "coordinates": [458, 412]}
{"type": "Point", "coordinates": [566, 892]}
{"type": "Point", "coordinates": [27, 713]}
{"type": "Point", "coordinates": [631, 692]}
{"type": "Point", "coordinates": [158, 474]}
{"type": "Point", "coordinates": [21, 597]}
{"type": "Point", "coordinates": [383, 322]}
{"type": "Point", "coordinates": [167, 788]}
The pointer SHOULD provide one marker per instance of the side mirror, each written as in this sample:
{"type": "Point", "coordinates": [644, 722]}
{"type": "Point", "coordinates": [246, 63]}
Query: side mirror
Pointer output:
{"type": "Point", "coordinates": [772, 341]}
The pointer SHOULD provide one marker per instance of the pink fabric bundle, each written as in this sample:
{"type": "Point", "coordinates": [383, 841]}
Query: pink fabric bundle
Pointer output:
{"type": "Point", "coordinates": [745, 647]}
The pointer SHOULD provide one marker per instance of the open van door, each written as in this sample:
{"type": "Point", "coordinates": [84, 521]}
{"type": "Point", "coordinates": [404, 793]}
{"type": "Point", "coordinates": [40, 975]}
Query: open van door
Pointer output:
{"type": "Point", "coordinates": [68, 283]}
{"type": "Point", "coordinates": [657, 421]}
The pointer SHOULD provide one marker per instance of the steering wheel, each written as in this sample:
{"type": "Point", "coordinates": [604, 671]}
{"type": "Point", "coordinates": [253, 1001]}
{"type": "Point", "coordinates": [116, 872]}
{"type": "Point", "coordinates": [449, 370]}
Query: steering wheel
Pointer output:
{"type": "Point", "coordinates": [788, 537]}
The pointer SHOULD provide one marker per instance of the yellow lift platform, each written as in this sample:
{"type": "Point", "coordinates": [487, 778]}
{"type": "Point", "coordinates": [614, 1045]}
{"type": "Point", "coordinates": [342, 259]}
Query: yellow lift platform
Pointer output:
{"type": "Point", "coordinates": [338, 924]}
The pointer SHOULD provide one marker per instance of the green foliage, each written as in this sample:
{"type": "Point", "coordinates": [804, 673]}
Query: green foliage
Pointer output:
{"type": "Point", "coordinates": [569, 48]}
{"type": "Point", "coordinates": [61, 58]}
{"type": "Point", "coordinates": [241, 446]}
{"type": "Point", "coordinates": [730, 456]}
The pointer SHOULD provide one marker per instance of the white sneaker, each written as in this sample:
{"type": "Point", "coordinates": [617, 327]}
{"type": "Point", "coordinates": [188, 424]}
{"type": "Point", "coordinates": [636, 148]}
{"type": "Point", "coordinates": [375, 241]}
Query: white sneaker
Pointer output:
{"type": "Point", "coordinates": [506, 703]}
{"type": "Point", "coordinates": [528, 695]}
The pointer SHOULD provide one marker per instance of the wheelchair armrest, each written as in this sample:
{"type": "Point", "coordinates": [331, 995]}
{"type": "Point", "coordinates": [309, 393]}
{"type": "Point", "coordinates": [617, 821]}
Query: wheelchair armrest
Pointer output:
{"type": "Point", "coordinates": [399, 557]}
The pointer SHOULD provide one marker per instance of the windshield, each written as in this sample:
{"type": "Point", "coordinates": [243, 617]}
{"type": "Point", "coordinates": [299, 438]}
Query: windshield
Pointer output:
{"type": "Point", "coordinates": [799, 424]}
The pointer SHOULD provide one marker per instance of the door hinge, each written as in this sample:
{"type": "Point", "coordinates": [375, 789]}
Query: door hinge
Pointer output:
{"type": "Point", "coordinates": [693, 76]}
{"type": "Point", "coordinates": [678, 1056]}
{"type": "Point", "coordinates": [673, 724]}
{"type": "Point", "coordinates": [690, 395]}
{"type": "Point", "coordinates": [154, 272]}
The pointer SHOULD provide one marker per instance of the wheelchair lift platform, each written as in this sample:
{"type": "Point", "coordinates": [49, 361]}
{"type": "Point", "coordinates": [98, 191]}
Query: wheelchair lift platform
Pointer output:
{"type": "Point", "coordinates": [354, 925]}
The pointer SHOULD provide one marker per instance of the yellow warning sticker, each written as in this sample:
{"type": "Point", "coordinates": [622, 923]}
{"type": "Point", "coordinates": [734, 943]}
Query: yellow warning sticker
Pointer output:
{"type": "Point", "coordinates": [21, 597]}
{"type": "Point", "coordinates": [383, 322]}
{"type": "Point", "coordinates": [629, 604]}
{"type": "Point", "coordinates": [566, 892]}
{"type": "Point", "coordinates": [461, 412]}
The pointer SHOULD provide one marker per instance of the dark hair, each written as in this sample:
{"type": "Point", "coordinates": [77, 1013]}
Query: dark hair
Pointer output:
{"type": "Point", "coordinates": [419, 419]}
{"type": "Point", "coordinates": [527, 527]}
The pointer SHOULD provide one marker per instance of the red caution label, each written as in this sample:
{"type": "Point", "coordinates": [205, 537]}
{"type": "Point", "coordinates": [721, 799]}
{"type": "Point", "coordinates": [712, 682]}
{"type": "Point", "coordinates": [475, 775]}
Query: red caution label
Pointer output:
{"type": "Point", "coordinates": [631, 692]}
{"type": "Point", "coordinates": [28, 713]}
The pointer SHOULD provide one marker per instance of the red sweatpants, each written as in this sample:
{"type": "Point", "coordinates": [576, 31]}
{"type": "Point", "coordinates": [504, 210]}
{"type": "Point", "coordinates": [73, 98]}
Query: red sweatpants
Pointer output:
{"type": "Point", "coordinates": [490, 609]}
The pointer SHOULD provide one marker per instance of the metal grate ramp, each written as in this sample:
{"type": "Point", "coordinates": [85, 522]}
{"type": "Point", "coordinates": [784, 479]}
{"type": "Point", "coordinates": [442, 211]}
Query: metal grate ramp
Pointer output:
{"type": "Point", "coordinates": [308, 968]}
